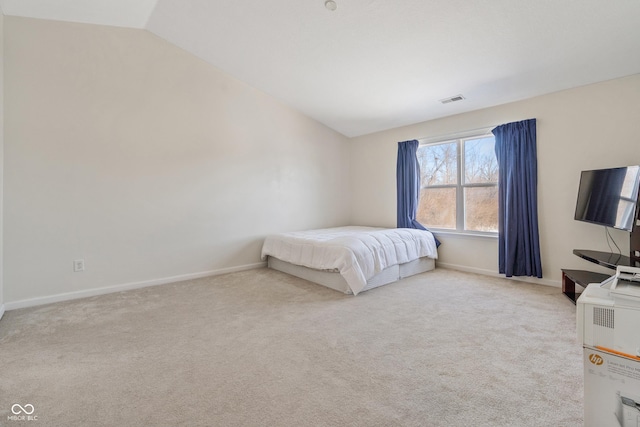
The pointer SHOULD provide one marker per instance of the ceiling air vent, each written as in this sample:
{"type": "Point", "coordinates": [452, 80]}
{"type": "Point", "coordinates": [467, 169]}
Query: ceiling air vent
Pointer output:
{"type": "Point", "coordinates": [452, 99]}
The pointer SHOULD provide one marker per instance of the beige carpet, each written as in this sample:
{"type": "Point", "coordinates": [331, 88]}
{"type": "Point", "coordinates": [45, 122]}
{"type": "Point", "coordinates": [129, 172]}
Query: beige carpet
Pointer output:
{"type": "Point", "coordinates": [261, 348]}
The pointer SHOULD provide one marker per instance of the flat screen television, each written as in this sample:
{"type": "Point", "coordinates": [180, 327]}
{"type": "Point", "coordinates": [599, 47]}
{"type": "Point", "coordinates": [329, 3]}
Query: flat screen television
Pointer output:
{"type": "Point", "coordinates": [609, 197]}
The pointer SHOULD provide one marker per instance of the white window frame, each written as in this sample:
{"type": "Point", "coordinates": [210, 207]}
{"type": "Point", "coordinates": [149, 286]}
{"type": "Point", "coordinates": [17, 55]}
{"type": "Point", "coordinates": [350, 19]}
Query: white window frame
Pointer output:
{"type": "Point", "coordinates": [460, 186]}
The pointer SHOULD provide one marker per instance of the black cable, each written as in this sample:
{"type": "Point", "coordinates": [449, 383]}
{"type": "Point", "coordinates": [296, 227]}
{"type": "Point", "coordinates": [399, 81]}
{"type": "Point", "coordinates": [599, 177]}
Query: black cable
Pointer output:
{"type": "Point", "coordinates": [614, 242]}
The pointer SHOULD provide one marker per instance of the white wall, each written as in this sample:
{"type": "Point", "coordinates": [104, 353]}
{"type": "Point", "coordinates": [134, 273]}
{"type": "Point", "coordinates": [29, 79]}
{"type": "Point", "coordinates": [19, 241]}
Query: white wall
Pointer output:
{"type": "Point", "coordinates": [146, 162]}
{"type": "Point", "coordinates": [589, 127]}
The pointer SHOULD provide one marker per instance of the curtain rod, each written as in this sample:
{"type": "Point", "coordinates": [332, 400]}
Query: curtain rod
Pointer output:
{"type": "Point", "coordinates": [462, 134]}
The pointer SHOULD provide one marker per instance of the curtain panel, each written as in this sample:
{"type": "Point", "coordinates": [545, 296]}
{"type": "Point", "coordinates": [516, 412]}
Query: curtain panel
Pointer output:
{"type": "Point", "coordinates": [408, 185]}
{"type": "Point", "coordinates": [518, 238]}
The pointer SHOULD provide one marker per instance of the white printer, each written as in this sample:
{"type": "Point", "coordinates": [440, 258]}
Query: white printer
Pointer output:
{"type": "Point", "coordinates": [608, 325]}
{"type": "Point", "coordinates": [609, 313]}
{"type": "Point", "coordinates": [628, 413]}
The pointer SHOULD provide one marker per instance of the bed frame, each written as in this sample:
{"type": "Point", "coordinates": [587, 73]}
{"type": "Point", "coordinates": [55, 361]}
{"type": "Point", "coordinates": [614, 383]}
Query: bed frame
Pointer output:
{"type": "Point", "coordinates": [335, 281]}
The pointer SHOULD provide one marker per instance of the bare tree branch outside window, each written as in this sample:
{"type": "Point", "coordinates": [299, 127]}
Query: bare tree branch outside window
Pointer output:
{"type": "Point", "coordinates": [443, 174]}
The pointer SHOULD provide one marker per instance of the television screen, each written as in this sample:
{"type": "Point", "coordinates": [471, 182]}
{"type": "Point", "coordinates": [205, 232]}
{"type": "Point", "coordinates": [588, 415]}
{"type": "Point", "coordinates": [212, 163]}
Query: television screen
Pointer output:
{"type": "Point", "coordinates": [609, 197]}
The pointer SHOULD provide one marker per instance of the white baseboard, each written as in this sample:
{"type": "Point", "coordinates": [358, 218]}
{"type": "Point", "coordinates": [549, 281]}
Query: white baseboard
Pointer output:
{"type": "Point", "coordinates": [32, 302]}
{"type": "Point", "coordinates": [484, 272]}
{"type": "Point", "coordinates": [14, 305]}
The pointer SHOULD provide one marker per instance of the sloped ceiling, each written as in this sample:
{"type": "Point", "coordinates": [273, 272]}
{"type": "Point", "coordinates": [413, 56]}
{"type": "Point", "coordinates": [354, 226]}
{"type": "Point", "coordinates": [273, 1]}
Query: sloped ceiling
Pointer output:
{"type": "Point", "coordinates": [372, 65]}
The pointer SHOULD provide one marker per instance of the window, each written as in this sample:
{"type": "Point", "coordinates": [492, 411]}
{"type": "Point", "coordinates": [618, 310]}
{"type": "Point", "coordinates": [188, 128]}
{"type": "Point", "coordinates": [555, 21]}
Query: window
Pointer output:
{"type": "Point", "coordinates": [459, 185]}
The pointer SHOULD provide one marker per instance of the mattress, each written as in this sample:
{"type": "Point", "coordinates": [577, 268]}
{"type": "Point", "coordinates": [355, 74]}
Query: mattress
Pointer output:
{"type": "Point", "coordinates": [363, 257]}
{"type": "Point", "coordinates": [335, 281]}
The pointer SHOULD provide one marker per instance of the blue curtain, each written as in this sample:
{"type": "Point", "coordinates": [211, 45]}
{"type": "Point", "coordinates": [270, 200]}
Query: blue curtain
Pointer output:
{"type": "Point", "coordinates": [518, 239]}
{"type": "Point", "coordinates": [408, 185]}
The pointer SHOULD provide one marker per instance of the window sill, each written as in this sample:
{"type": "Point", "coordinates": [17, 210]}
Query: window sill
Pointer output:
{"type": "Point", "coordinates": [463, 234]}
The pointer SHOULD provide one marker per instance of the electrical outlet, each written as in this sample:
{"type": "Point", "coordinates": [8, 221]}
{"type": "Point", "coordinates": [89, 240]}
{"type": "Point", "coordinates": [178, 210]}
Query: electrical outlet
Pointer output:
{"type": "Point", "coordinates": [78, 265]}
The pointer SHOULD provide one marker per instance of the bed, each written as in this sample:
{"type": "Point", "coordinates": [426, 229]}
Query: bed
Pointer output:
{"type": "Point", "coordinates": [351, 259]}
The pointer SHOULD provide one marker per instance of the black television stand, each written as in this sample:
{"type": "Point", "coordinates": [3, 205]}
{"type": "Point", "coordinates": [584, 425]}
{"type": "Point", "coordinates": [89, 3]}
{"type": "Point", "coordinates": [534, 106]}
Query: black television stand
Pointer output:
{"type": "Point", "coordinates": [605, 259]}
{"type": "Point", "coordinates": [571, 278]}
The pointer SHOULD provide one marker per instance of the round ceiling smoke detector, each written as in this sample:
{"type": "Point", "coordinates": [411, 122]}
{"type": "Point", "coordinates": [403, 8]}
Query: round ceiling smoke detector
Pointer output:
{"type": "Point", "coordinates": [330, 4]}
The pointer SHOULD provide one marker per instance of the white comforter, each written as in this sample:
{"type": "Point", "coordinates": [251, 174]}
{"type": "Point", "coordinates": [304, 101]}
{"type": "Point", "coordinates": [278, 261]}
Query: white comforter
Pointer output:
{"type": "Point", "coordinates": [358, 253]}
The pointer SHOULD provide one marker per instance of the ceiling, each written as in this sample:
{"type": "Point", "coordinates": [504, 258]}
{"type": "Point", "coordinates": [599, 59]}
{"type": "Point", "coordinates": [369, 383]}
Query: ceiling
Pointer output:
{"type": "Point", "coordinates": [372, 65]}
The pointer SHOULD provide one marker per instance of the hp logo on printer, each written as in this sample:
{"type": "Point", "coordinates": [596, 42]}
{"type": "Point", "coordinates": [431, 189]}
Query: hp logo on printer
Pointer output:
{"type": "Point", "coordinates": [595, 359]}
